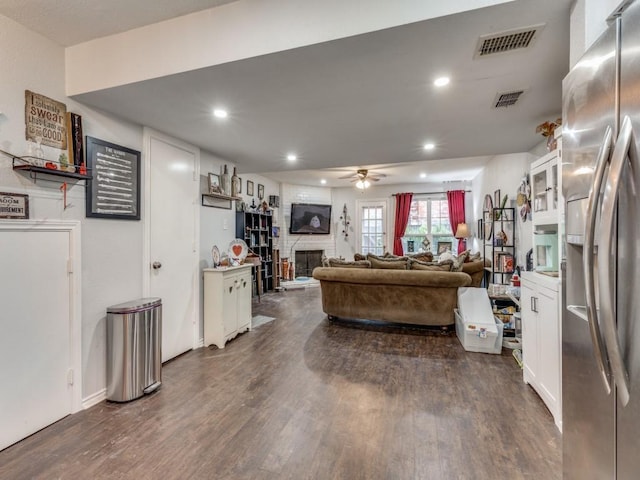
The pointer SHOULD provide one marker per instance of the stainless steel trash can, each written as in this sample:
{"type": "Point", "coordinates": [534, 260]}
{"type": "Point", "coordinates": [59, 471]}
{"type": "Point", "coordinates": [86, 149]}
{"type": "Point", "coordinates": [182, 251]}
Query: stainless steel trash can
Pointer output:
{"type": "Point", "coordinates": [134, 340]}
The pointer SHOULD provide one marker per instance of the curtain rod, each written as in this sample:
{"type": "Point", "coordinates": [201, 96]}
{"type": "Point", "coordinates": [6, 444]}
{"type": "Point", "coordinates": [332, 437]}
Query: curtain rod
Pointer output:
{"type": "Point", "coordinates": [429, 193]}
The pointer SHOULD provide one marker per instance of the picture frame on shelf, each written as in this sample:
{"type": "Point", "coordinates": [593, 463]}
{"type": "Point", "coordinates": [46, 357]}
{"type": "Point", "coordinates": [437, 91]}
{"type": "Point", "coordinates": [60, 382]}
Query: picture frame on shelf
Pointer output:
{"type": "Point", "coordinates": [214, 183]}
{"type": "Point", "coordinates": [260, 191]}
{"type": "Point", "coordinates": [250, 188]}
{"type": "Point", "coordinates": [444, 246]}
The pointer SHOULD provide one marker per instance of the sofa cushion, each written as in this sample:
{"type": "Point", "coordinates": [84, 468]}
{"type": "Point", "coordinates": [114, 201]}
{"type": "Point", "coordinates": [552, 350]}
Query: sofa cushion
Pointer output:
{"type": "Point", "coordinates": [433, 266]}
{"type": "Point", "coordinates": [359, 256]}
{"type": "Point", "coordinates": [339, 263]}
{"type": "Point", "coordinates": [398, 263]}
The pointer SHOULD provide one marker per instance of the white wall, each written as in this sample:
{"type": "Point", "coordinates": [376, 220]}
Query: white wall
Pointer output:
{"type": "Point", "coordinates": [305, 194]}
{"type": "Point", "coordinates": [504, 173]}
{"type": "Point", "coordinates": [346, 247]}
{"type": "Point", "coordinates": [235, 31]}
{"type": "Point", "coordinates": [111, 249]}
{"type": "Point", "coordinates": [587, 23]}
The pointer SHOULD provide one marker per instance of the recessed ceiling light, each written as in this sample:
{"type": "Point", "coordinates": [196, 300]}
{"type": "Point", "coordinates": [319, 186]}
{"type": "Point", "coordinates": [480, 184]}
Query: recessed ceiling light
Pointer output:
{"type": "Point", "coordinates": [441, 82]}
{"type": "Point", "coordinates": [429, 146]}
{"type": "Point", "coordinates": [323, 181]}
{"type": "Point", "coordinates": [292, 157]}
{"type": "Point", "coordinates": [220, 113]}
{"type": "Point", "coordinates": [423, 175]}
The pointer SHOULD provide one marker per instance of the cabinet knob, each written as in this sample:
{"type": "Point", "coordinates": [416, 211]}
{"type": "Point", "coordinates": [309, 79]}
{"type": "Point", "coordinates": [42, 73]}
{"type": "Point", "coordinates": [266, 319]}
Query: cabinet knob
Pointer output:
{"type": "Point", "coordinates": [156, 265]}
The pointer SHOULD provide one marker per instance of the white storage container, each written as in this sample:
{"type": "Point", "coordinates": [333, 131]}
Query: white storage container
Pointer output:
{"type": "Point", "coordinates": [477, 328]}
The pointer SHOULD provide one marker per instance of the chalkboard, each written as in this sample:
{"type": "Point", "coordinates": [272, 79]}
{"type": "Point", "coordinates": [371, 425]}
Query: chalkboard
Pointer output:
{"type": "Point", "coordinates": [114, 191]}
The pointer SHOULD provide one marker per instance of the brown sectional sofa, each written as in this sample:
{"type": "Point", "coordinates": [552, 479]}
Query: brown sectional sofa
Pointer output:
{"type": "Point", "coordinates": [417, 297]}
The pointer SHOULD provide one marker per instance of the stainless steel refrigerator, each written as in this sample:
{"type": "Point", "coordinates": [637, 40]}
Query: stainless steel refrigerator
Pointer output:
{"type": "Point", "coordinates": [601, 278]}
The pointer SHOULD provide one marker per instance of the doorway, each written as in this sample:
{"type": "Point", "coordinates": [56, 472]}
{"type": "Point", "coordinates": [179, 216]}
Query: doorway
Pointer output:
{"type": "Point", "coordinates": [371, 217]}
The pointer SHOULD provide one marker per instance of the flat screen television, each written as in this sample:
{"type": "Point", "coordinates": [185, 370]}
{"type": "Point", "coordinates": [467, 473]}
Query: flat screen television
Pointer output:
{"type": "Point", "coordinates": [309, 218]}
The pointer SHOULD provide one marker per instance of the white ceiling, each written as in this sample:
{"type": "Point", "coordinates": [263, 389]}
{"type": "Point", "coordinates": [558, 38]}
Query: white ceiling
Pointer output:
{"type": "Point", "coordinates": [362, 101]}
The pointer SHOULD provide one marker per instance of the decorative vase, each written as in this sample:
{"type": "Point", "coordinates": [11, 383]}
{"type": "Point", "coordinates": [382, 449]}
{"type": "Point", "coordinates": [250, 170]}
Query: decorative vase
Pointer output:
{"type": "Point", "coordinates": [225, 181]}
{"type": "Point", "coordinates": [552, 142]}
{"type": "Point", "coordinates": [235, 184]}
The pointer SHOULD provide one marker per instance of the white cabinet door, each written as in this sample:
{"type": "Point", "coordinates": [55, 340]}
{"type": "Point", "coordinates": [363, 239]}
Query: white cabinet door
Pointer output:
{"type": "Point", "coordinates": [230, 304]}
{"type": "Point", "coordinates": [529, 333]}
{"type": "Point", "coordinates": [549, 346]}
{"type": "Point", "coordinates": [244, 301]}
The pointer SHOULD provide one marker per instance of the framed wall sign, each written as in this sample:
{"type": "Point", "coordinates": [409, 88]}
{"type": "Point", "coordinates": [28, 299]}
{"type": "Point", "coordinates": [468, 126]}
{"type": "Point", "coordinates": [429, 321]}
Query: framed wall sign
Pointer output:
{"type": "Point", "coordinates": [14, 205]}
{"type": "Point", "coordinates": [114, 191]}
{"type": "Point", "coordinates": [250, 188]}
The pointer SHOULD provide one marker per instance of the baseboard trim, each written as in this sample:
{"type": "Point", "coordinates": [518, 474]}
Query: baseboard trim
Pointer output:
{"type": "Point", "coordinates": [94, 399]}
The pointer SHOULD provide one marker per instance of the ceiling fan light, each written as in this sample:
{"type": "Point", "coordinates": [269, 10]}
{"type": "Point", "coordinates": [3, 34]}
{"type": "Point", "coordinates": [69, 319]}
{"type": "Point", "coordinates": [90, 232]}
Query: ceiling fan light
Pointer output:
{"type": "Point", "coordinates": [362, 184]}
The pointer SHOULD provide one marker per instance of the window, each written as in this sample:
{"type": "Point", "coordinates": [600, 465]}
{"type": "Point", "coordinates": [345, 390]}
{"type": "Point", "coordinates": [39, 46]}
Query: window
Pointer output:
{"type": "Point", "coordinates": [428, 216]}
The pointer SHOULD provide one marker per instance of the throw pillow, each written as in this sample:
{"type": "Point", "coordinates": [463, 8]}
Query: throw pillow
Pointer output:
{"type": "Point", "coordinates": [457, 261]}
{"type": "Point", "coordinates": [359, 256]}
{"type": "Point", "coordinates": [422, 256]}
{"type": "Point", "coordinates": [474, 257]}
{"type": "Point", "coordinates": [432, 266]}
{"type": "Point", "coordinates": [336, 262]}
{"type": "Point", "coordinates": [399, 263]}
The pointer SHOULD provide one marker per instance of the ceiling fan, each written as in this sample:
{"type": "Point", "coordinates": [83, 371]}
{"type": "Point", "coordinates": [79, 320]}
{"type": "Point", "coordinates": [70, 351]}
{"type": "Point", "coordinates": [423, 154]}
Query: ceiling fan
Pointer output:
{"type": "Point", "coordinates": [364, 177]}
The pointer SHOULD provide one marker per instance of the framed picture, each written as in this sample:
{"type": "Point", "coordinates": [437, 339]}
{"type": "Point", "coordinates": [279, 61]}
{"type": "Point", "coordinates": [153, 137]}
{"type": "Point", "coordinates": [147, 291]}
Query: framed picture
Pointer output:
{"type": "Point", "coordinates": [239, 185]}
{"type": "Point", "coordinates": [444, 246]}
{"type": "Point", "coordinates": [260, 191]}
{"type": "Point", "coordinates": [114, 190]}
{"type": "Point", "coordinates": [14, 205]}
{"type": "Point", "coordinates": [214, 183]}
{"type": "Point", "coordinates": [250, 188]}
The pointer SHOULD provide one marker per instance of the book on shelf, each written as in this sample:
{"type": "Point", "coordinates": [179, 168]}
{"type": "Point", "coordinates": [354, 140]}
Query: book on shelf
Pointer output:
{"type": "Point", "coordinates": [503, 262]}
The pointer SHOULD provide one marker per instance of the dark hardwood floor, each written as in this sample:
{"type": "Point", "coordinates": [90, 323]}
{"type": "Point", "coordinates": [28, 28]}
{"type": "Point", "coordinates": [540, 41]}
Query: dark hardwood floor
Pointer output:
{"type": "Point", "coordinates": [303, 398]}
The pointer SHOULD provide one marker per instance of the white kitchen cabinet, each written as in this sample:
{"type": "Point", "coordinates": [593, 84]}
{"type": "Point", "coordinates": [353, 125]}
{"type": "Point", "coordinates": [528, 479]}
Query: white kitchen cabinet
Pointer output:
{"type": "Point", "coordinates": [545, 188]}
{"type": "Point", "coordinates": [541, 339]}
{"type": "Point", "coordinates": [227, 303]}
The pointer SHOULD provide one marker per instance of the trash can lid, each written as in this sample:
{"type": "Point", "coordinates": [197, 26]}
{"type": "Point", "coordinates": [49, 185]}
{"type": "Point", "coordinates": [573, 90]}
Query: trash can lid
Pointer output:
{"type": "Point", "coordinates": [135, 305]}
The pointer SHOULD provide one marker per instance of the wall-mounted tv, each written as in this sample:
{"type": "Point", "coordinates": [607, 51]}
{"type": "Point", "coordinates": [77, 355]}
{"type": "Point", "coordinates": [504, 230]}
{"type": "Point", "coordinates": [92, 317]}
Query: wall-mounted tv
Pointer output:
{"type": "Point", "coordinates": [310, 218]}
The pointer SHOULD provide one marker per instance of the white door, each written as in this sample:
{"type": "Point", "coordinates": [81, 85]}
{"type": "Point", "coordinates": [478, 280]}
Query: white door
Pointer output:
{"type": "Point", "coordinates": [172, 259]}
{"type": "Point", "coordinates": [39, 339]}
{"type": "Point", "coordinates": [372, 227]}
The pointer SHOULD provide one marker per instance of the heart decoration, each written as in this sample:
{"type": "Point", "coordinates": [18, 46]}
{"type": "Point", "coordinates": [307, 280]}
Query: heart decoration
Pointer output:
{"type": "Point", "coordinates": [237, 250]}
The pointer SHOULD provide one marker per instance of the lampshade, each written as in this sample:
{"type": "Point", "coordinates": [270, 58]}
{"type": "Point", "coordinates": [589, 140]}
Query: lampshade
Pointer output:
{"type": "Point", "coordinates": [462, 231]}
{"type": "Point", "coordinates": [362, 184]}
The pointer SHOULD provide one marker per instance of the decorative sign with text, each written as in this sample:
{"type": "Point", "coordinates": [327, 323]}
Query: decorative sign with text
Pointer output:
{"type": "Point", "coordinates": [45, 120]}
{"type": "Point", "coordinates": [14, 205]}
{"type": "Point", "coordinates": [114, 190]}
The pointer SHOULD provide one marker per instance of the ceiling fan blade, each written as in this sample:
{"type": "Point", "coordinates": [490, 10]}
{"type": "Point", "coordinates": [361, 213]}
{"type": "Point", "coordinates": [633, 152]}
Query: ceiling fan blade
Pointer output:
{"type": "Point", "coordinates": [351, 175]}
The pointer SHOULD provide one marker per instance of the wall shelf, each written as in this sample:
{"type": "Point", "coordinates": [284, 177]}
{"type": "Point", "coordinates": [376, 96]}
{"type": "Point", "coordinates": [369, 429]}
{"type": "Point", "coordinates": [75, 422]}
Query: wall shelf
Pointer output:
{"type": "Point", "coordinates": [218, 200]}
{"type": "Point", "coordinates": [26, 164]}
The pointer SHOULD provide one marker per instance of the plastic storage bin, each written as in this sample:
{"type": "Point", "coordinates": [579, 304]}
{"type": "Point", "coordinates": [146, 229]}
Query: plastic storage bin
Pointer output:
{"type": "Point", "coordinates": [476, 327]}
{"type": "Point", "coordinates": [134, 340]}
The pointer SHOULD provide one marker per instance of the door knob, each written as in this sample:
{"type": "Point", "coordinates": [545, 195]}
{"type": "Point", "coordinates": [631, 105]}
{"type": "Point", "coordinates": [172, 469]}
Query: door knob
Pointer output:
{"type": "Point", "coordinates": [156, 265]}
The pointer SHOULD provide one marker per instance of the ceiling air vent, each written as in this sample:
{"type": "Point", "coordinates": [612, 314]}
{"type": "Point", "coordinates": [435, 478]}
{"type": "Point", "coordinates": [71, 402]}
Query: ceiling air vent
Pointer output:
{"type": "Point", "coordinates": [507, 99]}
{"type": "Point", "coordinates": [507, 41]}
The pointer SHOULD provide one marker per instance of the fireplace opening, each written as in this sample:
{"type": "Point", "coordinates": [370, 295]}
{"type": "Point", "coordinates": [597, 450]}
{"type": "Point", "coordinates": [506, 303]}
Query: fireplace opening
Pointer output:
{"type": "Point", "coordinates": [306, 261]}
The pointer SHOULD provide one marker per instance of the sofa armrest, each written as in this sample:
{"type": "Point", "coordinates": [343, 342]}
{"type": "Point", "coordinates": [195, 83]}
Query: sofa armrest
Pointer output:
{"type": "Point", "coordinates": [374, 276]}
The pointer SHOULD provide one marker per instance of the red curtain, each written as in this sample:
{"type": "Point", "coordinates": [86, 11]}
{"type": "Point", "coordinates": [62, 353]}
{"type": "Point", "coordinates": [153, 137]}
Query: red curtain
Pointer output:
{"type": "Point", "coordinates": [455, 199]}
{"type": "Point", "coordinates": [403, 206]}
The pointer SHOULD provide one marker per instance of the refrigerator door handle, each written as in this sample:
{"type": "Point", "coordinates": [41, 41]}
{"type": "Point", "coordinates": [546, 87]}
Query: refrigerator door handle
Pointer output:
{"type": "Point", "coordinates": [588, 260]}
{"type": "Point", "coordinates": [625, 146]}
